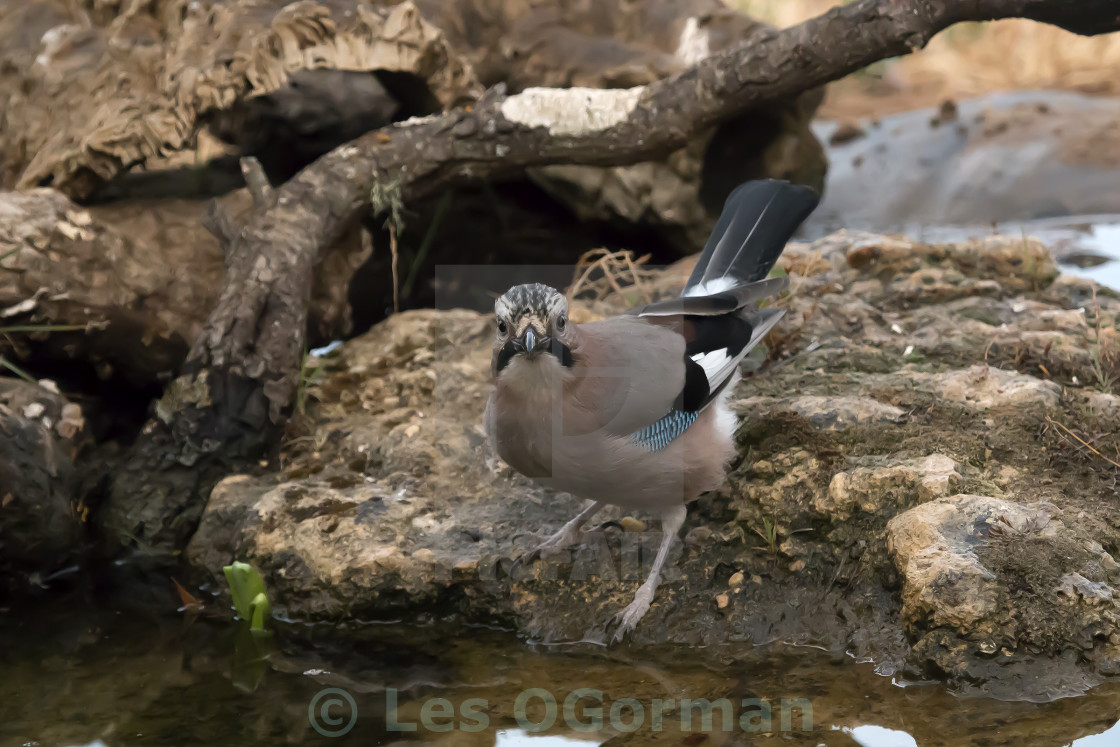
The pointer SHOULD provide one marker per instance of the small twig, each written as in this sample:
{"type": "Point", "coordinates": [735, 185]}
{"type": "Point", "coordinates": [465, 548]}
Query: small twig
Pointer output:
{"type": "Point", "coordinates": [988, 349]}
{"type": "Point", "coordinates": [583, 267]}
{"type": "Point", "coordinates": [1082, 441]}
{"type": "Point", "coordinates": [257, 182]}
{"type": "Point", "coordinates": [396, 282]}
{"type": "Point", "coordinates": [616, 268]}
{"type": "Point", "coordinates": [609, 275]}
{"type": "Point", "coordinates": [637, 278]}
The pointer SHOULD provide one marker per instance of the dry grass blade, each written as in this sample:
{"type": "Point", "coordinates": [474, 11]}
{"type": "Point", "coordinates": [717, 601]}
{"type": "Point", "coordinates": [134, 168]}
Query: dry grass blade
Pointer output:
{"type": "Point", "coordinates": [1103, 357]}
{"type": "Point", "coordinates": [1082, 441]}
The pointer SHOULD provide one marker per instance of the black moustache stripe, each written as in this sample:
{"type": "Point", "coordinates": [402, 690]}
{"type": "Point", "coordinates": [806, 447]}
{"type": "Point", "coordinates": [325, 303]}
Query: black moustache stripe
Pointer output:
{"type": "Point", "coordinates": [562, 352]}
{"type": "Point", "coordinates": [505, 355]}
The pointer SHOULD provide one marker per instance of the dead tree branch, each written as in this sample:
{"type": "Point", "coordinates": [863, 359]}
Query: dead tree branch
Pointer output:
{"type": "Point", "coordinates": [242, 372]}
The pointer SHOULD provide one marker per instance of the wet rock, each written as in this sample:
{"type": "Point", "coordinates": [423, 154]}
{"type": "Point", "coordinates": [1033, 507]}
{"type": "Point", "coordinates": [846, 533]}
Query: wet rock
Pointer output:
{"type": "Point", "coordinates": [978, 569]}
{"type": "Point", "coordinates": [40, 516]}
{"type": "Point", "coordinates": [932, 545]}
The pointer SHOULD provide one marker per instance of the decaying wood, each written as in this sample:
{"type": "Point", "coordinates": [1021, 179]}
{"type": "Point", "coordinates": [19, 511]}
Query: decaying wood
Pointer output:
{"type": "Point", "coordinates": [240, 377]}
{"type": "Point", "coordinates": [62, 266]}
{"type": "Point", "coordinates": [141, 85]}
{"type": "Point", "coordinates": [136, 281]}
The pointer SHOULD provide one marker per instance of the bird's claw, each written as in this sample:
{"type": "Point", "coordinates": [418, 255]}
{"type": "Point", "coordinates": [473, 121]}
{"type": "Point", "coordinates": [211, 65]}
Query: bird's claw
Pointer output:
{"type": "Point", "coordinates": [559, 541]}
{"type": "Point", "coordinates": [525, 559]}
{"type": "Point", "coordinates": [628, 619]}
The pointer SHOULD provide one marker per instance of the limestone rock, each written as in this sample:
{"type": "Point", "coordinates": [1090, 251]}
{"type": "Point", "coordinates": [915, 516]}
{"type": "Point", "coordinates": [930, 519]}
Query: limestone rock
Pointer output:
{"type": "Point", "coordinates": [872, 488]}
{"type": "Point", "coordinates": [983, 388]}
{"type": "Point", "coordinates": [859, 426]}
{"type": "Point", "coordinates": [944, 583]}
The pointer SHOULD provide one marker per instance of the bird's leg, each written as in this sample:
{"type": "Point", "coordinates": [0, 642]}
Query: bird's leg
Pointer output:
{"type": "Point", "coordinates": [671, 523]}
{"type": "Point", "coordinates": [569, 534]}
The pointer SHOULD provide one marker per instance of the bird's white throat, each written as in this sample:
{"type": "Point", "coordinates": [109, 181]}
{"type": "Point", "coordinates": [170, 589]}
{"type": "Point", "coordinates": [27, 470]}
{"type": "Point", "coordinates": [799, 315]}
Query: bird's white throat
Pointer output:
{"type": "Point", "coordinates": [528, 377]}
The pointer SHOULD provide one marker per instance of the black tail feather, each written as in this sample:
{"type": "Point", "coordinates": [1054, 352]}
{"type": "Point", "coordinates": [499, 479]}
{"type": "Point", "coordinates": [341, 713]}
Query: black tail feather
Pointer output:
{"type": "Point", "coordinates": [758, 219]}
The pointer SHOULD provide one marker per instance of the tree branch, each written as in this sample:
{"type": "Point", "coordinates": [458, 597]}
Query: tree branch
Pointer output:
{"type": "Point", "coordinates": [257, 182]}
{"type": "Point", "coordinates": [242, 370]}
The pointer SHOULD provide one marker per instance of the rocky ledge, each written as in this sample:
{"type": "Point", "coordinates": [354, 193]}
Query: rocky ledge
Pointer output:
{"type": "Point", "coordinates": [923, 479]}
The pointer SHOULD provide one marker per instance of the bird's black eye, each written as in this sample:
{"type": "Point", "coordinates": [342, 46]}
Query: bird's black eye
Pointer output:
{"type": "Point", "coordinates": [503, 328]}
{"type": "Point", "coordinates": [561, 323]}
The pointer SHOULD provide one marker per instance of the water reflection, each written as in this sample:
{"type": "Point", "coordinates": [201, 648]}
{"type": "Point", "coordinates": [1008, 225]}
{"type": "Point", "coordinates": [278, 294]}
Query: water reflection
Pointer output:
{"type": "Point", "coordinates": [82, 676]}
{"type": "Point", "coordinates": [1109, 738]}
{"type": "Point", "coordinates": [519, 738]}
{"type": "Point", "coordinates": [877, 736]}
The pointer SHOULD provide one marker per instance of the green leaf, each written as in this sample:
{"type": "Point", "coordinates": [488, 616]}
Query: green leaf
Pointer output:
{"type": "Point", "coordinates": [247, 589]}
{"type": "Point", "coordinates": [260, 611]}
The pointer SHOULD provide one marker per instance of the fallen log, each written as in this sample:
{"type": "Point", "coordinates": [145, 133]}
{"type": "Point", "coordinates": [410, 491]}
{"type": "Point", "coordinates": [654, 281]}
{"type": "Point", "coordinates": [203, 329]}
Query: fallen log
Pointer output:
{"type": "Point", "coordinates": [127, 287]}
{"type": "Point", "coordinates": [228, 404]}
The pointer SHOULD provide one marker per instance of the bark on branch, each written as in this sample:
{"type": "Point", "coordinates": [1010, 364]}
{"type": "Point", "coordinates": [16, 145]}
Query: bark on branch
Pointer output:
{"type": "Point", "coordinates": [242, 371]}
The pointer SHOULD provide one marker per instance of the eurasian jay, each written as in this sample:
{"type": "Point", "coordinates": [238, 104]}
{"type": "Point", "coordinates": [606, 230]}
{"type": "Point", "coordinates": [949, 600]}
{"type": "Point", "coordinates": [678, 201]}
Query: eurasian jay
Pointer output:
{"type": "Point", "coordinates": [631, 411]}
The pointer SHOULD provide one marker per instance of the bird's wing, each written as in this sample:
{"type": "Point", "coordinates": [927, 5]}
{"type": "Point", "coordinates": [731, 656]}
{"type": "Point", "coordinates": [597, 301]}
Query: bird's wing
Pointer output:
{"type": "Point", "coordinates": [628, 375]}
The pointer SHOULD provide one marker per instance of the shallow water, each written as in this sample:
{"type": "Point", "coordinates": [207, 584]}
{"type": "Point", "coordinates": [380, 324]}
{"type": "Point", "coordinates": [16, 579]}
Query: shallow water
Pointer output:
{"type": "Point", "coordinates": [78, 675]}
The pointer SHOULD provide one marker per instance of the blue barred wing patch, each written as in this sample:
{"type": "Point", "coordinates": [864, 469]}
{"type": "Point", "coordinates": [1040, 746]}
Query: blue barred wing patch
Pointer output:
{"type": "Point", "coordinates": [657, 436]}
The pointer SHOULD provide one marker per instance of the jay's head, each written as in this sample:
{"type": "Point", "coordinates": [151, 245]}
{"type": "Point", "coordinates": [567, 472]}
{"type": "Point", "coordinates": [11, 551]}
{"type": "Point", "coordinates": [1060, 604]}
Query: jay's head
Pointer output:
{"type": "Point", "coordinates": [531, 321]}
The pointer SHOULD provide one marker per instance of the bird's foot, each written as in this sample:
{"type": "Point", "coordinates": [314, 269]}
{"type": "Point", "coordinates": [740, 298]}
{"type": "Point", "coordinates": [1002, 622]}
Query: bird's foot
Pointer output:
{"type": "Point", "coordinates": [563, 539]}
{"type": "Point", "coordinates": [627, 619]}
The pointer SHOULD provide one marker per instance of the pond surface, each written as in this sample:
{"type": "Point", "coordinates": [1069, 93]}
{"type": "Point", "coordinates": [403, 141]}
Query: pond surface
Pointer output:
{"type": "Point", "coordinates": [74, 674]}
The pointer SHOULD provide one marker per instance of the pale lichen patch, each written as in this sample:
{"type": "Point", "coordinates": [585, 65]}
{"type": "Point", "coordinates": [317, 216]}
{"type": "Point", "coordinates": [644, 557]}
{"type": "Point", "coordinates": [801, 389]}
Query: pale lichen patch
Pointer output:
{"type": "Point", "coordinates": [571, 111]}
{"type": "Point", "coordinates": [695, 43]}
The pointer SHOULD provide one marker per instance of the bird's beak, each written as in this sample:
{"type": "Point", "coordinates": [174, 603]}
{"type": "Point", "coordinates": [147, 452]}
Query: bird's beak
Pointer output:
{"type": "Point", "coordinates": [530, 343]}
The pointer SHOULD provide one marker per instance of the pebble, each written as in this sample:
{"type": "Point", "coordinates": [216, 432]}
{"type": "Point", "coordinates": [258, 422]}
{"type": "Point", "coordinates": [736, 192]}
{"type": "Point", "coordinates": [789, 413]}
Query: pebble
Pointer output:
{"type": "Point", "coordinates": [736, 580]}
{"type": "Point", "coordinates": [630, 524]}
{"type": "Point", "coordinates": [697, 536]}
